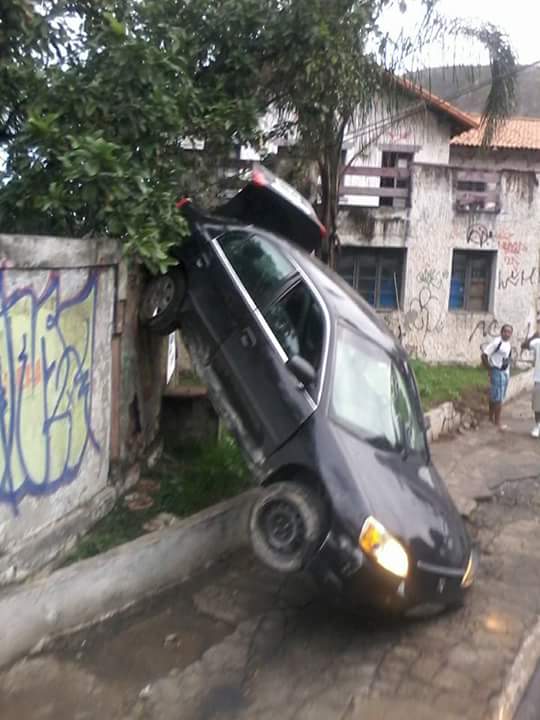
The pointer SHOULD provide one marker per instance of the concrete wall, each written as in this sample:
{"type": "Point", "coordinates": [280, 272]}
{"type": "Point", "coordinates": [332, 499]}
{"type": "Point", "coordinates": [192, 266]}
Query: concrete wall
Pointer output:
{"type": "Point", "coordinates": [57, 305]}
{"type": "Point", "coordinates": [502, 159]}
{"type": "Point", "coordinates": [429, 231]}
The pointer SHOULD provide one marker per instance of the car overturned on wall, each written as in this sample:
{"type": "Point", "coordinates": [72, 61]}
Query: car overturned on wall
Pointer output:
{"type": "Point", "coordinates": [322, 401]}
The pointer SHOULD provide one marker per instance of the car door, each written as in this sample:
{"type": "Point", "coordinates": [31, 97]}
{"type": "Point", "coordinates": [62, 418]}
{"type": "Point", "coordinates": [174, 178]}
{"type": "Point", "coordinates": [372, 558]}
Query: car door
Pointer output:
{"type": "Point", "coordinates": [215, 307]}
{"type": "Point", "coordinates": [269, 400]}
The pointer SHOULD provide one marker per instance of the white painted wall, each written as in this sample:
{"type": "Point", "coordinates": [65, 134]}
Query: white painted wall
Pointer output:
{"type": "Point", "coordinates": [427, 131]}
{"type": "Point", "coordinates": [430, 231]}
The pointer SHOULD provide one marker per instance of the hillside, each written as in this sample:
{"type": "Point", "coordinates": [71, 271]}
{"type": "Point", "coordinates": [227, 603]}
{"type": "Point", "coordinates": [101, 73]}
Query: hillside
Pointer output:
{"type": "Point", "coordinates": [460, 87]}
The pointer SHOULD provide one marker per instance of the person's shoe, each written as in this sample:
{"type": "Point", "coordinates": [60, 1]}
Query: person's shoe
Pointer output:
{"type": "Point", "coordinates": [535, 432]}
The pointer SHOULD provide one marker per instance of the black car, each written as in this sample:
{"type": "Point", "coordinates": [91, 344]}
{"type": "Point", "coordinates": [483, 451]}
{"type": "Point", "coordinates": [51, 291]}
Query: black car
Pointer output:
{"type": "Point", "coordinates": [323, 402]}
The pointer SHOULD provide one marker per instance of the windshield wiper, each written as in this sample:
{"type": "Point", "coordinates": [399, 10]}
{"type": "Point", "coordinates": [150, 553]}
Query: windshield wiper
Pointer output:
{"type": "Point", "coordinates": [383, 443]}
{"type": "Point", "coordinates": [406, 445]}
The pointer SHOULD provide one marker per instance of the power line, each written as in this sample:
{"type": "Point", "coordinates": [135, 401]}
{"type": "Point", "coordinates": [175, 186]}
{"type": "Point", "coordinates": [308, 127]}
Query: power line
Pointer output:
{"type": "Point", "coordinates": [377, 128]}
{"type": "Point", "coordinates": [421, 105]}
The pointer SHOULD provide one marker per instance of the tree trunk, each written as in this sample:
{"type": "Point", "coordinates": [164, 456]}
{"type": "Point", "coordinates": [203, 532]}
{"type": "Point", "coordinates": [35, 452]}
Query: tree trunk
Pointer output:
{"type": "Point", "coordinates": [329, 171]}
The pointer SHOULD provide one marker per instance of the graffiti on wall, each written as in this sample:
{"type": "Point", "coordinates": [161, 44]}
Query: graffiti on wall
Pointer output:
{"type": "Point", "coordinates": [399, 134]}
{"type": "Point", "coordinates": [517, 278]}
{"type": "Point", "coordinates": [426, 314]}
{"type": "Point", "coordinates": [512, 251]}
{"type": "Point", "coordinates": [479, 235]}
{"type": "Point", "coordinates": [514, 273]}
{"type": "Point", "coordinates": [486, 330]}
{"type": "Point", "coordinates": [46, 364]}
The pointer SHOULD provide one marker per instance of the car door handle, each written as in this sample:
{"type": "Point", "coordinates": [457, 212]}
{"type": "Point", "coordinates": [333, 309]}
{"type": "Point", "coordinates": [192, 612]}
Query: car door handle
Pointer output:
{"type": "Point", "coordinates": [247, 338]}
{"type": "Point", "coordinates": [203, 261]}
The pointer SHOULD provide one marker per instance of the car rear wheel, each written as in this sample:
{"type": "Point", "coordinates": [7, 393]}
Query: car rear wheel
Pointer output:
{"type": "Point", "coordinates": [286, 524]}
{"type": "Point", "coordinates": [162, 300]}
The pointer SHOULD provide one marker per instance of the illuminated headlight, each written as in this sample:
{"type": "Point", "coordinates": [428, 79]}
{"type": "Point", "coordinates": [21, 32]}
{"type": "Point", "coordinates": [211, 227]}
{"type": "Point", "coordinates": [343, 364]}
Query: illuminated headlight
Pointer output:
{"type": "Point", "coordinates": [468, 577]}
{"type": "Point", "coordinates": [376, 542]}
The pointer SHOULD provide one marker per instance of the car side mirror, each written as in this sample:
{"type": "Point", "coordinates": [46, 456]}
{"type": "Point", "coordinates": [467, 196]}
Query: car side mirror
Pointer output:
{"type": "Point", "coordinates": [302, 369]}
{"type": "Point", "coordinates": [427, 422]}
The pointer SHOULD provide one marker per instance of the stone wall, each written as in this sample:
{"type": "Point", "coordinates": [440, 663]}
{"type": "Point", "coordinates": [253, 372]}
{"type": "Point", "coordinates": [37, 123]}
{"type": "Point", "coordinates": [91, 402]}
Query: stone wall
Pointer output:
{"type": "Point", "coordinates": [430, 230]}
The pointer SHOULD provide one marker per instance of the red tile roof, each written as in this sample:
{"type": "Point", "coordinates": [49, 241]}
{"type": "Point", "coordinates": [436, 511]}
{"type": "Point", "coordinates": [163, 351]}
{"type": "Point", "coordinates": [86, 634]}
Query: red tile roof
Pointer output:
{"type": "Point", "coordinates": [519, 133]}
{"type": "Point", "coordinates": [468, 121]}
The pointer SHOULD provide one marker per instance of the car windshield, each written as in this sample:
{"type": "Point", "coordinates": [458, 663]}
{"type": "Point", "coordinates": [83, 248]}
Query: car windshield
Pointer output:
{"type": "Point", "coordinates": [372, 396]}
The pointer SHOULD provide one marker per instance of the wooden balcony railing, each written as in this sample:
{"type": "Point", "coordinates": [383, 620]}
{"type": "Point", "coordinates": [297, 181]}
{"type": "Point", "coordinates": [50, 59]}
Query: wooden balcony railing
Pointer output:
{"type": "Point", "coordinates": [394, 183]}
{"type": "Point", "coordinates": [477, 191]}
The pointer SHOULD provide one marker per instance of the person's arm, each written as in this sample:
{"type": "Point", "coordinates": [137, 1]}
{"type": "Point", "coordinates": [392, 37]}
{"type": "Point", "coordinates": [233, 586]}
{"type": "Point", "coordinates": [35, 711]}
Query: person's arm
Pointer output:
{"type": "Point", "coordinates": [526, 344]}
{"type": "Point", "coordinates": [487, 352]}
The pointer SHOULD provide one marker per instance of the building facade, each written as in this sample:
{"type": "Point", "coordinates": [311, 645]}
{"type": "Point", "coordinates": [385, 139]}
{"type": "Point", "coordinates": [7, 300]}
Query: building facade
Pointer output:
{"type": "Point", "coordinates": [441, 236]}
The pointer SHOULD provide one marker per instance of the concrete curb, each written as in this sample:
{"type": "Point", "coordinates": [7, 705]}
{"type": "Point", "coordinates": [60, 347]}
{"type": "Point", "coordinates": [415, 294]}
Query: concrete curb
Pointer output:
{"type": "Point", "coordinates": [445, 418]}
{"type": "Point", "coordinates": [519, 676]}
{"type": "Point", "coordinates": [97, 588]}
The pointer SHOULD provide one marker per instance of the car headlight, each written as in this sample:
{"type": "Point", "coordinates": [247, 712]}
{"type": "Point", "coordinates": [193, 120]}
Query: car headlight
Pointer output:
{"type": "Point", "coordinates": [380, 545]}
{"type": "Point", "coordinates": [468, 576]}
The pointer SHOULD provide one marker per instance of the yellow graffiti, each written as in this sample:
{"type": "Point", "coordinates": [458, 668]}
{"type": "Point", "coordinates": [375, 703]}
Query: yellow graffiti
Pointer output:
{"type": "Point", "coordinates": [46, 363]}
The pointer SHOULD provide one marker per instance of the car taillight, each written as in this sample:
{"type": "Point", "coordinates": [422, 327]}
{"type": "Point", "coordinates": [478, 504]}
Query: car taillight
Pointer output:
{"type": "Point", "coordinates": [322, 228]}
{"type": "Point", "coordinates": [257, 178]}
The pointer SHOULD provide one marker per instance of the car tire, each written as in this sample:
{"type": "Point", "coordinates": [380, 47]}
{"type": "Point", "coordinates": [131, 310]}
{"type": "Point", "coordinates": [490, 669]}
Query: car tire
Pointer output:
{"type": "Point", "coordinates": [286, 525]}
{"type": "Point", "coordinates": [161, 302]}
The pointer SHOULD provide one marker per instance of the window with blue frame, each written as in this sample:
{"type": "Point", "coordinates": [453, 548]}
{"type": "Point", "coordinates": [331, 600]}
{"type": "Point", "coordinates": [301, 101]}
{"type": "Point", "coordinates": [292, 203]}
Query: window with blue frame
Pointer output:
{"type": "Point", "coordinates": [375, 273]}
{"type": "Point", "coordinates": [470, 283]}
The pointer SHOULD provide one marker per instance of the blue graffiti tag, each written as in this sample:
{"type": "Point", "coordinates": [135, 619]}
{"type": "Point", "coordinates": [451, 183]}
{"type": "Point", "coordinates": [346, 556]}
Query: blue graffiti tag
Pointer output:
{"type": "Point", "coordinates": [46, 364]}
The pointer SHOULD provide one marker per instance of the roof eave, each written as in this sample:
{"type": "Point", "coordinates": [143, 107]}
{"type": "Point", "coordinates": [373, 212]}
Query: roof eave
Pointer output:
{"type": "Point", "coordinates": [438, 103]}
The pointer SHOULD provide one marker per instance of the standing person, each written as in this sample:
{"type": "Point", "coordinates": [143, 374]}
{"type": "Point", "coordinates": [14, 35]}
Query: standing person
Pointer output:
{"type": "Point", "coordinates": [496, 358]}
{"type": "Point", "coordinates": [533, 343]}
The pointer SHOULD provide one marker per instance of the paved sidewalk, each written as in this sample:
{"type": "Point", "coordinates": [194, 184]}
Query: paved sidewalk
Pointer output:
{"type": "Point", "coordinates": [239, 642]}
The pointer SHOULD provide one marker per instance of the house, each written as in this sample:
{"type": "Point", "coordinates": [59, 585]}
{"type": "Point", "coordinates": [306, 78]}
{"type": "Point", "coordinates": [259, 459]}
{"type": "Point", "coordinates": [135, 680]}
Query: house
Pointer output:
{"type": "Point", "coordinates": [439, 235]}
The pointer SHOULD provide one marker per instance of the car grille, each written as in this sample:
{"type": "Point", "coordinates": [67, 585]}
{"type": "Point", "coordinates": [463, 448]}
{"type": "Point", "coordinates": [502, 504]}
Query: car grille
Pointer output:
{"type": "Point", "coordinates": [440, 569]}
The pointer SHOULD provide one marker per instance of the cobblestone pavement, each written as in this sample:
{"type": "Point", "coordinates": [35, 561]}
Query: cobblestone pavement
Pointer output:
{"type": "Point", "coordinates": [239, 642]}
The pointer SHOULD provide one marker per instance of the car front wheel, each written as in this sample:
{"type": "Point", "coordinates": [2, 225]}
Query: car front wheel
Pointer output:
{"type": "Point", "coordinates": [161, 301]}
{"type": "Point", "coordinates": [286, 525]}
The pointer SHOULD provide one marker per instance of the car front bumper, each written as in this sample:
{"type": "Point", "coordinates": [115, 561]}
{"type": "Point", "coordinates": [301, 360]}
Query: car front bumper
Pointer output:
{"type": "Point", "coordinates": [346, 571]}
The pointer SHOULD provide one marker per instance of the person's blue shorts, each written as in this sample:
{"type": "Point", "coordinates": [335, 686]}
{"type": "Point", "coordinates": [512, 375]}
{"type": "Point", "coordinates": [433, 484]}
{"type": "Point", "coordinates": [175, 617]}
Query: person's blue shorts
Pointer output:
{"type": "Point", "coordinates": [498, 385]}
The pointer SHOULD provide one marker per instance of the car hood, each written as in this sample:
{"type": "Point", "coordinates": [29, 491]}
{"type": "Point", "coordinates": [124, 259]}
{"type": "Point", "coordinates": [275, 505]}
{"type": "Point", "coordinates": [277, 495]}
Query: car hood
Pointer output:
{"type": "Point", "coordinates": [273, 205]}
{"type": "Point", "coordinates": [407, 496]}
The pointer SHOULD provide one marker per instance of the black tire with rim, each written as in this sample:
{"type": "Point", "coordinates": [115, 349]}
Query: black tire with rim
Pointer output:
{"type": "Point", "coordinates": [286, 524]}
{"type": "Point", "coordinates": [161, 301]}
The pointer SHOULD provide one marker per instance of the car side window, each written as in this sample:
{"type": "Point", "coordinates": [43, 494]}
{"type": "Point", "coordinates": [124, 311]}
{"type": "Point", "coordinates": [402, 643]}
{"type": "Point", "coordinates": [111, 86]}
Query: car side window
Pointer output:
{"type": "Point", "coordinates": [296, 320]}
{"type": "Point", "coordinates": [261, 267]}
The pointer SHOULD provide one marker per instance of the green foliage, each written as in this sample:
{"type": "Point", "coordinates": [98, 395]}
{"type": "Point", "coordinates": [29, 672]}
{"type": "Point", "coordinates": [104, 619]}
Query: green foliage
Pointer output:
{"type": "Point", "coordinates": [329, 64]}
{"type": "Point", "coordinates": [192, 479]}
{"type": "Point", "coordinates": [97, 98]}
{"type": "Point", "coordinates": [439, 383]}
{"type": "Point", "coordinates": [98, 106]}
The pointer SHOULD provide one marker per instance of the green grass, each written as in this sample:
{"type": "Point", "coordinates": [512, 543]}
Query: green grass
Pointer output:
{"type": "Point", "coordinates": [191, 479]}
{"type": "Point", "coordinates": [188, 378]}
{"type": "Point", "coordinates": [439, 383]}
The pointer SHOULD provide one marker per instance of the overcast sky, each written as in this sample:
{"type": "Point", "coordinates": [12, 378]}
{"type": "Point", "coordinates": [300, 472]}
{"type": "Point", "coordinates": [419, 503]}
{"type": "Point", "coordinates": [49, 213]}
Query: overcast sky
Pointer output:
{"type": "Point", "coordinates": [519, 18]}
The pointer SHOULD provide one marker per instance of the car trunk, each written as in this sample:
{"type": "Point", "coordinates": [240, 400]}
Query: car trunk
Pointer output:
{"type": "Point", "coordinates": [272, 204]}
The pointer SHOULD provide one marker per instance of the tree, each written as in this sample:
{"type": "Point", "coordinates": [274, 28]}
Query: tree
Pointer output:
{"type": "Point", "coordinates": [329, 63]}
{"type": "Point", "coordinates": [101, 98]}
